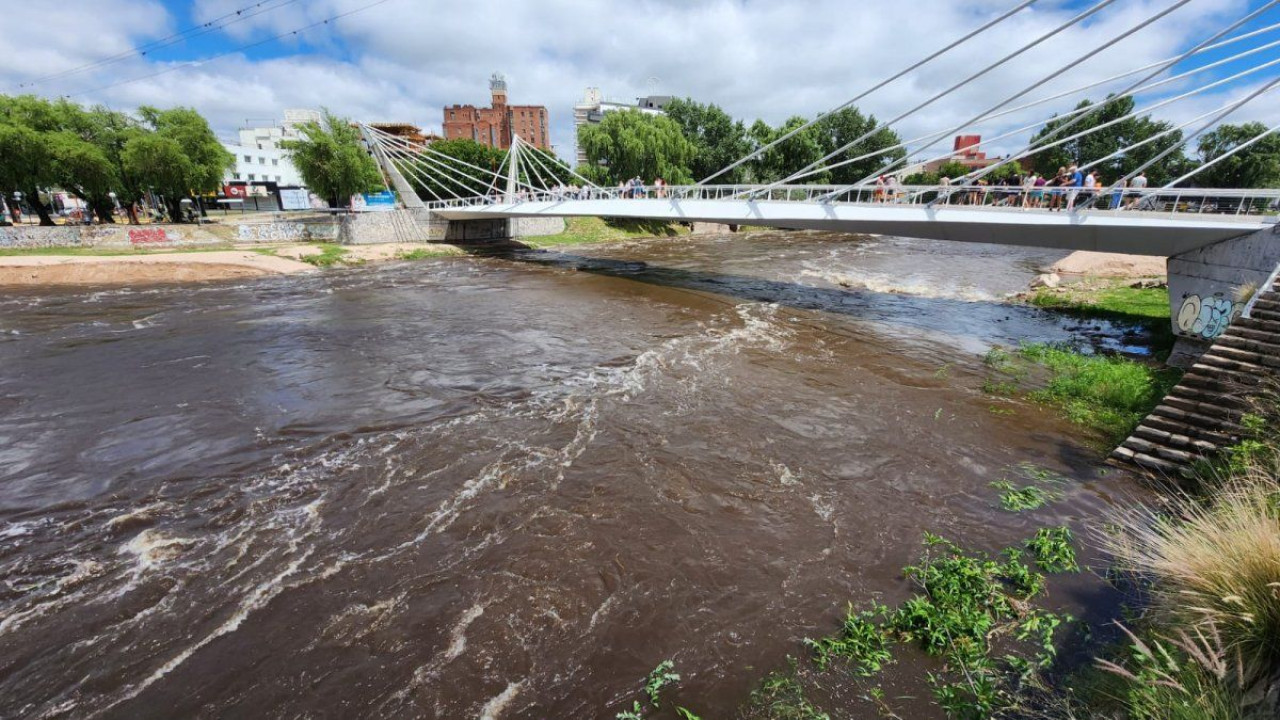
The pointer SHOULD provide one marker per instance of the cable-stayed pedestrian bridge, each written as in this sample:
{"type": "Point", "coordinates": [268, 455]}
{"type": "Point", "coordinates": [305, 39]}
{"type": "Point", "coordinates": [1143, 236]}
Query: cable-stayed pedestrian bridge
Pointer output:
{"type": "Point", "coordinates": [1142, 222]}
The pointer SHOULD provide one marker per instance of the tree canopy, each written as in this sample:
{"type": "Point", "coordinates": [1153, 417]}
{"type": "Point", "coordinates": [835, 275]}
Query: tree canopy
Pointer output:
{"type": "Point", "coordinates": [332, 160]}
{"type": "Point", "coordinates": [1257, 166]}
{"type": "Point", "coordinates": [718, 140]}
{"type": "Point", "coordinates": [630, 143]}
{"type": "Point", "coordinates": [1106, 141]}
{"type": "Point", "coordinates": [86, 152]}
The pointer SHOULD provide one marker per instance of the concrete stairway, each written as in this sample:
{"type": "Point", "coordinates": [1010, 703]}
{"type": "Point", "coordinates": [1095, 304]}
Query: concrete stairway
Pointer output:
{"type": "Point", "coordinates": [1201, 415]}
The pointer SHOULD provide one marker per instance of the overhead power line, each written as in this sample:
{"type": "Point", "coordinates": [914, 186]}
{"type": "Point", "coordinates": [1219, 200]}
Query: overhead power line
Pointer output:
{"type": "Point", "coordinates": [195, 31]}
{"type": "Point", "coordinates": [233, 51]}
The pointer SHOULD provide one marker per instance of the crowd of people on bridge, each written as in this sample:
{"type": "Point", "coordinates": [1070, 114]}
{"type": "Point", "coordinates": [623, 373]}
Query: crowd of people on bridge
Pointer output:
{"type": "Point", "coordinates": [1068, 188]}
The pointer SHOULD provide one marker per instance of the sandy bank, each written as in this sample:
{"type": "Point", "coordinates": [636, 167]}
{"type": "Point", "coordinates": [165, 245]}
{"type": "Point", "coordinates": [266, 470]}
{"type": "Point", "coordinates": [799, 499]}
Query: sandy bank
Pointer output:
{"type": "Point", "coordinates": [1109, 265]}
{"type": "Point", "coordinates": [142, 269]}
{"type": "Point", "coordinates": [380, 252]}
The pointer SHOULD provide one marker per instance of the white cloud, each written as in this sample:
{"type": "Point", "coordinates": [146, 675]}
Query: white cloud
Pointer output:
{"type": "Point", "coordinates": [406, 59]}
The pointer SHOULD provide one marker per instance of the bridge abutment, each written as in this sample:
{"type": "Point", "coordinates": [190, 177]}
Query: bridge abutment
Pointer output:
{"type": "Point", "coordinates": [1209, 288]}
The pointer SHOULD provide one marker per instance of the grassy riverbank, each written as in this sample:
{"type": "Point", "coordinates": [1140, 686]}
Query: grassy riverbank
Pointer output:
{"type": "Point", "coordinates": [1116, 301]}
{"type": "Point", "coordinates": [589, 231]}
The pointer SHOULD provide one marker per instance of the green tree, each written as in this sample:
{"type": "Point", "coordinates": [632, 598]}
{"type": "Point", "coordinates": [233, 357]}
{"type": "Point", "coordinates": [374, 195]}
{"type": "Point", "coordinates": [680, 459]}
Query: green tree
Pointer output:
{"type": "Point", "coordinates": [160, 164]}
{"type": "Point", "coordinates": [627, 144]}
{"type": "Point", "coordinates": [952, 169]}
{"type": "Point", "coordinates": [791, 155]}
{"type": "Point", "coordinates": [1257, 166]}
{"type": "Point", "coordinates": [718, 139]}
{"type": "Point", "coordinates": [1106, 141]}
{"type": "Point", "coordinates": [332, 161]}
{"type": "Point", "coordinates": [206, 160]}
{"type": "Point", "coordinates": [27, 165]}
{"type": "Point", "coordinates": [844, 126]}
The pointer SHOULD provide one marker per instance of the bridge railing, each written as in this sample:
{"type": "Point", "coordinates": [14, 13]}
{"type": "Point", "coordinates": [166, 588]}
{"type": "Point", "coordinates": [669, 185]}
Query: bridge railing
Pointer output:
{"type": "Point", "coordinates": [1241, 203]}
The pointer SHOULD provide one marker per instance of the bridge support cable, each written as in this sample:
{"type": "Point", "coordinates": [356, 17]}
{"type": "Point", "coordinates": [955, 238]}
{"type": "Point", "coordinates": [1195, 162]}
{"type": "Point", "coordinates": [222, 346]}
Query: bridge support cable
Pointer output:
{"type": "Point", "coordinates": [422, 154]}
{"type": "Point", "coordinates": [539, 158]}
{"type": "Point", "coordinates": [426, 150]}
{"type": "Point", "coordinates": [422, 176]}
{"type": "Point", "coordinates": [531, 168]}
{"type": "Point", "coordinates": [1048, 78]}
{"type": "Point", "coordinates": [1206, 165]}
{"type": "Point", "coordinates": [1136, 113]}
{"type": "Point", "coordinates": [415, 164]}
{"type": "Point", "coordinates": [883, 83]}
{"type": "Point", "coordinates": [1035, 146]}
{"type": "Point", "coordinates": [1040, 40]}
{"type": "Point", "coordinates": [1232, 108]}
{"type": "Point", "coordinates": [907, 144]}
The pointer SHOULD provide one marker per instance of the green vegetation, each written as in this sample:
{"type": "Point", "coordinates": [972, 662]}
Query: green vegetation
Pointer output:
{"type": "Point", "coordinates": [1257, 166]}
{"type": "Point", "coordinates": [1108, 393]}
{"type": "Point", "coordinates": [781, 696]}
{"type": "Point", "coordinates": [660, 677]}
{"type": "Point", "coordinates": [332, 160]}
{"type": "Point", "coordinates": [1053, 551]}
{"type": "Point", "coordinates": [328, 256]}
{"type": "Point", "coordinates": [587, 231]}
{"type": "Point", "coordinates": [1022, 499]}
{"type": "Point", "coordinates": [429, 252]}
{"type": "Point", "coordinates": [1116, 302]}
{"type": "Point", "coordinates": [94, 152]}
{"type": "Point", "coordinates": [631, 143]}
{"type": "Point", "coordinates": [1106, 142]}
{"type": "Point", "coordinates": [860, 641]}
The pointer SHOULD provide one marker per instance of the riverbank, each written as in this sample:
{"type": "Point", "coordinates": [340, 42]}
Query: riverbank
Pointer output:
{"type": "Point", "coordinates": [46, 269]}
{"type": "Point", "coordinates": [92, 266]}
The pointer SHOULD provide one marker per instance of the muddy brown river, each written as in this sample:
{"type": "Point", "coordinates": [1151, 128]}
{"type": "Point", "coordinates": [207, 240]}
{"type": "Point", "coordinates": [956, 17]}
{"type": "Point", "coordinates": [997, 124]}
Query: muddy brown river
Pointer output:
{"type": "Point", "coordinates": [502, 487]}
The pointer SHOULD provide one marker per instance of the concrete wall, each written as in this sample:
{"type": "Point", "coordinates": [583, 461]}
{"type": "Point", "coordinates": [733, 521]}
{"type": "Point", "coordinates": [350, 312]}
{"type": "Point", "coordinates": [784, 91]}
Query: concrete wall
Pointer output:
{"type": "Point", "coordinates": [537, 226]}
{"type": "Point", "coordinates": [111, 236]}
{"type": "Point", "coordinates": [1209, 287]}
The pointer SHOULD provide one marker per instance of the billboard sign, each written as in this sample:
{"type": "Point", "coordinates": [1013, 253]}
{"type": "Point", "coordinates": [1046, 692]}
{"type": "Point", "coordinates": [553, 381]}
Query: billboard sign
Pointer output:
{"type": "Point", "coordinates": [374, 202]}
{"type": "Point", "coordinates": [295, 199]}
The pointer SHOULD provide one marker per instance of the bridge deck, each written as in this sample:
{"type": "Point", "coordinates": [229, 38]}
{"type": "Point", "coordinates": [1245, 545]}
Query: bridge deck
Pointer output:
{"type": "Point", "coordinates": [1140, 233]}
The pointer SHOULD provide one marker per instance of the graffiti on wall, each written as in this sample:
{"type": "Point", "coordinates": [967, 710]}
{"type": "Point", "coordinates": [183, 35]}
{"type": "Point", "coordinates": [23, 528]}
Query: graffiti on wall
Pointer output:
{"type": "Point", "coordinates": [148, 236]}
{"type": "Point", "coordinates": [274, 232]}
{"type": "Point", "coordinates": [1207, 317]}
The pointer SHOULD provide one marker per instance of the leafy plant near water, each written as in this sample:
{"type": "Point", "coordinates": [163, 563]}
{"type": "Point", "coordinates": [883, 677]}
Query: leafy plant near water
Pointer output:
{"type": "Point", "coordinates": [967, 601]}
{"type": "Point", "coordinates": [1053, 551]}
{"type": "Point", "coordinates": [861, 641]}
{"type": "Point", "coordinates": [1109, 393]}
{"type": "Point", "coordinates": [1029, 497]}
{"type": "Point", "coordinates": [781, 696]}
{"type": "Point", "coordinates": [660, 677]}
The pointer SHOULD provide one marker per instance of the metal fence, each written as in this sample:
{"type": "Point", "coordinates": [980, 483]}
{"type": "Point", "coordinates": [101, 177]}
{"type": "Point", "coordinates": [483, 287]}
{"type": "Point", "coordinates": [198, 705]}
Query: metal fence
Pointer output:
{"type": "Point", "coordinates": [1251, 204]}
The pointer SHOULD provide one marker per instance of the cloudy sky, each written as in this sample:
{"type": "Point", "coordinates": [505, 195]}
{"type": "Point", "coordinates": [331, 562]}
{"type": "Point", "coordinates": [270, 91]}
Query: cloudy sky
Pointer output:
{"type": "Point", "coordinates": [403, 60]}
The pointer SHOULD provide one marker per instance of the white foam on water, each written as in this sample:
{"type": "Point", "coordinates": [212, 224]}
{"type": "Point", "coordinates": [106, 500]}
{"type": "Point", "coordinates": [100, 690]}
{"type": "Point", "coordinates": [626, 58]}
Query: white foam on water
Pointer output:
{"type": "Point", "coordinates": [458, 635]}
{"type": "Point", "coordinates": [18, 529]}
{"type": "Point", "coordinates": [153, 549]}
{"type": "Point", "coordinates": [257, 598]}
{"type": "Point", "coordinates": [890, 285]}
{"type": "Point", "coordinates": [493, 709]}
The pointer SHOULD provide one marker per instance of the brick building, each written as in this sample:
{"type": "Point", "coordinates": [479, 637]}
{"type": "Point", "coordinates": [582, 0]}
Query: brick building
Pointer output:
{"type": "Point", "coordinates": [965, 151]}
{"type": "Point", "coordinates": [495, 125]}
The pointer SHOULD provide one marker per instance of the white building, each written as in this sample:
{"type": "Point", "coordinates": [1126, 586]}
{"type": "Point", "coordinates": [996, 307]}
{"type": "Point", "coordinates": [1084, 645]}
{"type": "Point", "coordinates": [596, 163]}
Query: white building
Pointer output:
{"type": "Point", "coordinates": [593, 108]}
{"type": "Point", "coordinates": [259, 157]}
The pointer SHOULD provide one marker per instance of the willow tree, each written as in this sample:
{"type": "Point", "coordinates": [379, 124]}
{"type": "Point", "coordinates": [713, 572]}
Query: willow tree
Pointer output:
{"type": "Point", "coordinates": [629, 143]}
{"type": "Point", "coordinates": [332, 160]}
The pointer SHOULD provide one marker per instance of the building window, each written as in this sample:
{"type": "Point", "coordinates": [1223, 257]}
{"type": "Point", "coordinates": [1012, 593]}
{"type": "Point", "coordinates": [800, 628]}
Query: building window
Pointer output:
{"type": "Point", "coordinates": [262, 161]}
{"type": "Point", "coordinates": [235, 176]}
{"type": "Point", "coordinates": [252, 177]}
{"type": "Point", "coordinates": [275, 162]}
{"type": "Point", "coordinates": [248, 158]}
{"type": "Point", "coordinates": [277, 178]}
